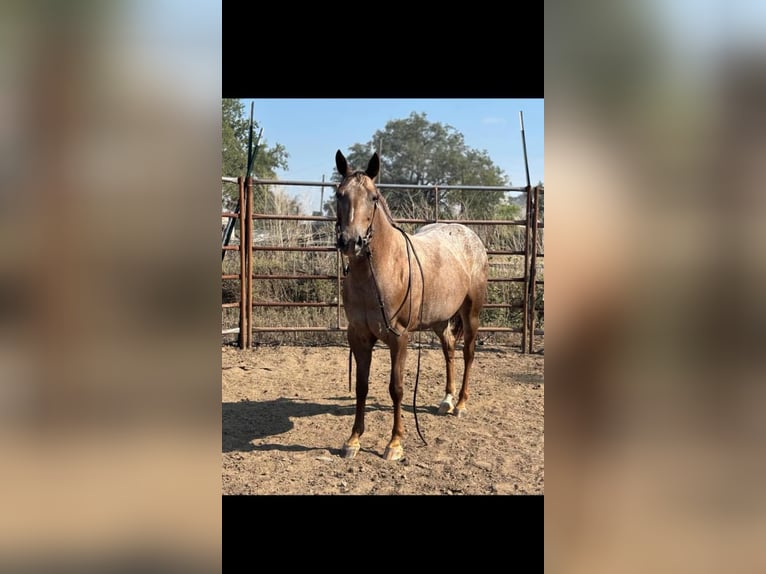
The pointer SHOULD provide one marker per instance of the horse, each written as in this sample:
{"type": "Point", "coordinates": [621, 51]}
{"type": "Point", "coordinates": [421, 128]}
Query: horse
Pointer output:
{"type": "Point", "coordinates": [397, 283]}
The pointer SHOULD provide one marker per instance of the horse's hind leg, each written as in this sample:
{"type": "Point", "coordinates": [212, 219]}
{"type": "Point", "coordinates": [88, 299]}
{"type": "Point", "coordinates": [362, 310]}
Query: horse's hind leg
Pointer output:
{"type": "Point", "coordinates": [361, 346]}
{"type": "Point", "coordinates": [447, 338]}
{"type": "Point", "coordinates": [470, 330]}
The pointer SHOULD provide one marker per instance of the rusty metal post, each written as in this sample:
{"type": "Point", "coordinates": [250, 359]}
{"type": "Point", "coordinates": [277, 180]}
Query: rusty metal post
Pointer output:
{"type": "Point", "coordinates": [528, 190]}
{"type": "Point", "coordinates": [249, 260]}
{"type": "Point", "coordinates": [525, 318]}
{"type": "Point", "coordinates": [243, 282]}
{"type": "Point", "coordinates": [533, 272]}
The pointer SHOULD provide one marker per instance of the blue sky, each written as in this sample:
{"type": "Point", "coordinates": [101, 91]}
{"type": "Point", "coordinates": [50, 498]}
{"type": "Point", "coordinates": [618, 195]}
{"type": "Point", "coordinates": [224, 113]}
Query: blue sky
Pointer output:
{"type": "Point", "coordinates": [313, 129]}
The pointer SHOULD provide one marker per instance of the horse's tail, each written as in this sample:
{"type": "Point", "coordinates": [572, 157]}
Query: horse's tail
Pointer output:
{"type": "Point", "coordinates": [456, 323]}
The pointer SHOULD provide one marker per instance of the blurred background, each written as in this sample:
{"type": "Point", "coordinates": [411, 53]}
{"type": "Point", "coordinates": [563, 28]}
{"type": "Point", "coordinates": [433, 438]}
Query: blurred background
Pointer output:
{"type": "Point", "coordinates": [109, 359]}
{"type": "Point", "coordinates": [109, 353]}
{"type": "Point", "coordinates": [656, 268]}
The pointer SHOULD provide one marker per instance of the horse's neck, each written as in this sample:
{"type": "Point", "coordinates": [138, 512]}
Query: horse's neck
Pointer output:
{"type": "Point", "coordinates": [386, 243]}
{"type": "Point", "coordinates": [386, 239]}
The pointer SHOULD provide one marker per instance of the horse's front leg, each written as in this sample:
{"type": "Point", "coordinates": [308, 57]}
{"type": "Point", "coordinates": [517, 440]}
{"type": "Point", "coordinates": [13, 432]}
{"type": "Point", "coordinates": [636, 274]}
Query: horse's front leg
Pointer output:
{"type": "Point", "coordinates": [398, 348]}
{"type": "Point", "coordinates": [361, 346]}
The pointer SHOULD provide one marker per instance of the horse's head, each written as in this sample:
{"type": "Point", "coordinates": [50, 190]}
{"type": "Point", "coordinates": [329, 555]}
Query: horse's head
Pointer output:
{"type": "Point", "coordinates": [356, 203]}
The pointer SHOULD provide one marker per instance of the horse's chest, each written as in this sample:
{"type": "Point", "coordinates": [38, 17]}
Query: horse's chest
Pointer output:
{"type": "Point", "coordinates": [361, 304]}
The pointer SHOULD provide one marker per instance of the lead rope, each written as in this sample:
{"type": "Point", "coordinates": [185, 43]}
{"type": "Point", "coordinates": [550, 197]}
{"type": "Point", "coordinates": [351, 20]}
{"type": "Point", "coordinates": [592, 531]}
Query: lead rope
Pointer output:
{"type": "Point", "coordinates": [420, 321]}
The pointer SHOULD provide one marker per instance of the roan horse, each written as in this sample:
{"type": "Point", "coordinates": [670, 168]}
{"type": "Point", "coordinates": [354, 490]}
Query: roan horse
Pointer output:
{"type": "Point", "coordinates": [398, 283]}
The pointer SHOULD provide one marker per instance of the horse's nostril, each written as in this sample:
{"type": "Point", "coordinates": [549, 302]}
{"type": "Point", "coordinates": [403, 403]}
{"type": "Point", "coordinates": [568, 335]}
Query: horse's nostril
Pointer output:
{"type": "Point", "coordinates": [358, 241]}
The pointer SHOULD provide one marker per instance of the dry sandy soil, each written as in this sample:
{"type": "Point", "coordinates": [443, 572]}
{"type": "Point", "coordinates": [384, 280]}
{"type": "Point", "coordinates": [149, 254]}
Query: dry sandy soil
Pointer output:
{"type": "Point", "coordinates": [287, 411]}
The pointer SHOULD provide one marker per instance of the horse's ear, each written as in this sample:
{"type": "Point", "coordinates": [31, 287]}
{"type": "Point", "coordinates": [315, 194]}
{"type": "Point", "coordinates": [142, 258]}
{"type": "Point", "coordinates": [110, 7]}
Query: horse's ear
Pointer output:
{"type": "Point", "coordinates": [373, 167]}
{"type": "Point", "coordinates": [340, 163]}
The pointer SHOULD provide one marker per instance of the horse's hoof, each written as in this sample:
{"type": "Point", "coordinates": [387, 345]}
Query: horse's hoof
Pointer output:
{"type": "Point", "coordinates": [393, 452]}
{"type": "Point", "coordinates": [460, 413]}
{"type": "Point", "coordinates": [447, 406]}
{"type": "Point", "coordinates": [349, 451]}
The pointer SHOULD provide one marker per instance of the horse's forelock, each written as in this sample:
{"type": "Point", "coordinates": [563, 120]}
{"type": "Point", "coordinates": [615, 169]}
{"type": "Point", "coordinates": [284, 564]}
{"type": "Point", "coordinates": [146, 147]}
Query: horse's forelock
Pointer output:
{"type": "Point", "coordinates": [359, 177]}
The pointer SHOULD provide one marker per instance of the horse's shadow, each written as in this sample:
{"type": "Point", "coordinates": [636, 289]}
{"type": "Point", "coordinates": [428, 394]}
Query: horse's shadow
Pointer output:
{"type": "Point", "coordinates": [245, 421]}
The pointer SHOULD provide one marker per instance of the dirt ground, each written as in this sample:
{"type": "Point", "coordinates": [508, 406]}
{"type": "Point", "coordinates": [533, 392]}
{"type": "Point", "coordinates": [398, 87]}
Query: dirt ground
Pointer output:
{"type": "Point", "coordinates": [287, 410]}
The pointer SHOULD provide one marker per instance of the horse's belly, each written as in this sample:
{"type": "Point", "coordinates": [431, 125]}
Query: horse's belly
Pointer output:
{"type": "Point", "coordinates": [437, 311]}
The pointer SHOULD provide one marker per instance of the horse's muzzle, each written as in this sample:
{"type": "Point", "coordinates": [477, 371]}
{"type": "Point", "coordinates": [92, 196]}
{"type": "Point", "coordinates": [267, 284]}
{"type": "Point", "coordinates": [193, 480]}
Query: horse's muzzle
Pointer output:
{"type": "Point", "coordinates": [348, 245]}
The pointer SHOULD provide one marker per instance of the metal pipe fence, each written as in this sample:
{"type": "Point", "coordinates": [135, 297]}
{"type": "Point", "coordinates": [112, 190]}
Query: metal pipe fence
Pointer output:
{"type": "Point", "coordinates": [248, 248]}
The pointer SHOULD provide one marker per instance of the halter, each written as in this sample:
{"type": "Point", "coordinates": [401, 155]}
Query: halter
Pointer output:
{"type": "Point", "coordinates": [368, 234]}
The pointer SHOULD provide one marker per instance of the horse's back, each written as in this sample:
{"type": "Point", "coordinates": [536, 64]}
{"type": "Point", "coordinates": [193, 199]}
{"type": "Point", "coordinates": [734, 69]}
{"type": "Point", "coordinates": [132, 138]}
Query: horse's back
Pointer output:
{"type": "Point", "coordinates": [459, 242]}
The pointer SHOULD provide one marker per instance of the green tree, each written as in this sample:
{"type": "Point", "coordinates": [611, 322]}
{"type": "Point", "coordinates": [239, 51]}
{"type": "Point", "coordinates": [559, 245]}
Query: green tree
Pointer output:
{"type": "Point", "coordinates": [418, 152]}
{"type": "Point", "coordinates": [234, 139]}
